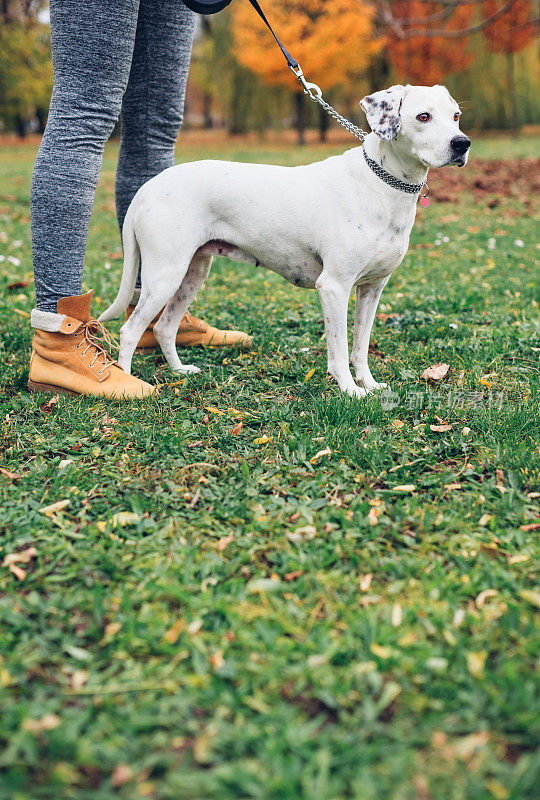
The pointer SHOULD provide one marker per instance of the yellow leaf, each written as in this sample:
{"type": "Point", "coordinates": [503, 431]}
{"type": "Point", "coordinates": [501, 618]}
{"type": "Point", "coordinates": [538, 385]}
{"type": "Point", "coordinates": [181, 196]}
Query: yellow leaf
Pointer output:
{"type": "Point", "coordinates": [214, 410]}
{"type": "Point", "coordinates": [483, 596]}
{"type": "Point", "coordinates": [406, 487]}
{"type": "Point", "coordinates": [531, 596]}
{"type": "Point", "coordinates": [381, 651]}
{"type": "Point", "coordinates": [498, 791]}
{"type": "Point", "coordinates": [125, 518]}
{"type": "Point", "coordinates": [320, 454]}
{"type": "Point", "coordinates": [262, 440]}
{"type": "Point", "coordinates": [476, 661]}
{"type": "Point", "coordinates": [484, 519]}
{"type": "Point", "coordinates": [310, 374]}
{"type": "Point", "coordinates": [53, 508]}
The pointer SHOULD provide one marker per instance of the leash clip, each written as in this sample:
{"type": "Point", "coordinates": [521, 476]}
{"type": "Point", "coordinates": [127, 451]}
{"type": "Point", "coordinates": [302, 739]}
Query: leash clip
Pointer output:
{"type": "Point", "coordinates": [314, 91]}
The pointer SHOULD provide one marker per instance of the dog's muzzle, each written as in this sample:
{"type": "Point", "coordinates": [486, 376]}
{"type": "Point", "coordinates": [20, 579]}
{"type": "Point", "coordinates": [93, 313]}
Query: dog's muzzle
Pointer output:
{"type": "Point", "coordinates": [459, 146]}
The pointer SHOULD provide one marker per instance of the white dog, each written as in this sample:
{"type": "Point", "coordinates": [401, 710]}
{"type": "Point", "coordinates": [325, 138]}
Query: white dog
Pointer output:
{"type": "Point", "coordinates": [331, 225]}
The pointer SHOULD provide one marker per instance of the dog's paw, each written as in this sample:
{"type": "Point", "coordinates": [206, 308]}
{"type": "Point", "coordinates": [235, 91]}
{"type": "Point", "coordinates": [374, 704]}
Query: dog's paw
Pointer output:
{"type": "Point", "coordinates": [187, 369]}
{"type": "Point", "coordinates": [375, 387]}
{"type": "Point", "coordinates": [355, 391]}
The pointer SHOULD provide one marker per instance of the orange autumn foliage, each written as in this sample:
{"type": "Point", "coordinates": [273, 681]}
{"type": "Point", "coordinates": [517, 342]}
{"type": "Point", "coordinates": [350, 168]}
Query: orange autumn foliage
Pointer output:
{"type": "Point", "coordinates": [513, 30]}
{"type": "Point", "coordinates": [333, 40]}
{"type": "Point", "coordinates": [425, 59]}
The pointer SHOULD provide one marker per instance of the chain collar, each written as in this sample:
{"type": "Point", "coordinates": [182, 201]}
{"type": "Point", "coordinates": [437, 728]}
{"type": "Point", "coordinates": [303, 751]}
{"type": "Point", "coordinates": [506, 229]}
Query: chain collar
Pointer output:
{"type": "Point", "coordinates": [410, 188]}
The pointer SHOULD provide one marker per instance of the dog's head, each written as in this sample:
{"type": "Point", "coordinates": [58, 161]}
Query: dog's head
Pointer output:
{"type": "Point", "coordinates": [424, 120]}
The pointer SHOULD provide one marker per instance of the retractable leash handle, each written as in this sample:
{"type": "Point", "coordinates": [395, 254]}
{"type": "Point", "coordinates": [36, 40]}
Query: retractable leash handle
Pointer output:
{"type": "Point", "coordinates": [311, 89]}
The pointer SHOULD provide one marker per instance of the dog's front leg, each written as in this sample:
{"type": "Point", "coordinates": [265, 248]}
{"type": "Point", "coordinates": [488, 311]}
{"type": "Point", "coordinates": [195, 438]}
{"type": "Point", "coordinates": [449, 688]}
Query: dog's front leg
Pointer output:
{"type": "Point", "coordinates": [334, 297]}
{"type": "Point", "coordinates": [367, 300]}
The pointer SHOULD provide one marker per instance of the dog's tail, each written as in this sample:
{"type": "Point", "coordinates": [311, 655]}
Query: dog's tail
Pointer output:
{"type": "Point", "coordinates": [131, 268]}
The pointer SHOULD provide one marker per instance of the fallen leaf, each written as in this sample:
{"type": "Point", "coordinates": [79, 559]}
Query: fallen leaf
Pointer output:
{"type": "Point", "coordinates": [365, 582]}
{"type": "Point", "coordinates": [222, 543]}
{"type": "Point", "coordinates": [398, 424]}
{"type": "Point", "coordinates": [217, 660]}
{"type": "Point", "coordinates": [374, 514]}
{"type": "Point", "coordinates": [309, 375]}
{"type": "Point", "coordinates": [531, 596]}
{"type": "Point", "coordinates": [65, 463]}
{"type": "Point", "coordinates": [112, 628]}
{"type": "Point", "coordinates": [214, 410]}
{"type": "Point", "coordinates": [194, 627]}
{"type": "Point", "coordinates": [530, 527]}
{"type": "Point", "coordinates": [262, 440]}
{"type": "Point", "coordinates": [435, 372]}
{"type": "Point", "coordinates": [476, 661]}
{"type": "Point", "coordinates": [406, 487]}
{"type": "Point", "coordinates": [47, 407]}
{"type": "Point", "coordinates": [485, 519]}
{"type": "Point", "coordinates": [174, 631]}
{"type": "Point", "coordinates": [47, 723]}
{"type": "Point", "coordinates": [237, 428]}
{"type": "Point", "coordinates": [12, 476]}
{"type": "Point", "coordinates": [292, 576]}
{"type": "Point", "coordinates": [397, 615]}
{"type": "Point", "coordinates": [125, 518]}
{"type": "Point", "coordinates": [121, 774]}
{"type": "Point", "coordinates": [301, 534]}
{"type": "Point", "coordinates": [79, 678]}
{"type": "Point", "coordinates": [483, 596]}
{"type": "Point", "coordinates": [380, 651]}
{"type": "Point", "coordinates": [19, 284]}
{"type": "Point", "coordinates": [498, 791]}
{"type": "Point", "coordinates": [320, 454]}
{"type": "Point", "coordinates": [49, 511]}
{"type": "Point", "coordinates": [18, 572]}
{"type": "Point", "coordinates": [441, 428]}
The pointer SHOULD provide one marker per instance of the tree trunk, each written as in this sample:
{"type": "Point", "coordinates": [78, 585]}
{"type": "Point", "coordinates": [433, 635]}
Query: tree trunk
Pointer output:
{"type": "Point", "coordinates": [207, 111]}
{"type": "Point", "coordinates": [324, 124]}
{"type": "Point", "coordinates": [300, 115]}
{"type": "Point", "coordinates": [511, 77]}
{"type": "Point", "coordinates": [20, 127]}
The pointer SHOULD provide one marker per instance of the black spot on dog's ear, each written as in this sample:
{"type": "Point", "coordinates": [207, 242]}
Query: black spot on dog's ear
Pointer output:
{"type": "Point", "coordinates": [385, 105]}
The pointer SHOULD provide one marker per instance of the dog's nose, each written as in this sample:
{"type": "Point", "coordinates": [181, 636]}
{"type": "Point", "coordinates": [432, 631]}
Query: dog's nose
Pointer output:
{"type": "Point", "coordinates": [460, 144]}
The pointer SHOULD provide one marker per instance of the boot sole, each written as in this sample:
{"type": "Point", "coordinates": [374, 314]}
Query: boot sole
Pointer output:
{"type": "Point", "coordinates": [47, 388]}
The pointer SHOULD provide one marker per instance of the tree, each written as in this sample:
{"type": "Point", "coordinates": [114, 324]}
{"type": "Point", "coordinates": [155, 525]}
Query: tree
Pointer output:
{"type": "Point", "coordinates": [25, 72]}
{"type": "Point", "coordinates": [427, 59]}
{"type": "Point", "coordinates": [508, 34]}
{"type": "Point", "coordinates": [333, 40]}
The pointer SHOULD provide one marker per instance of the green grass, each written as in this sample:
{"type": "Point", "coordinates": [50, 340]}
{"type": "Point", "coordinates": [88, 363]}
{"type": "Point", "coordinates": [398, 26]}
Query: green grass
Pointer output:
{"type": "Point", "coordinates": [147, 654]}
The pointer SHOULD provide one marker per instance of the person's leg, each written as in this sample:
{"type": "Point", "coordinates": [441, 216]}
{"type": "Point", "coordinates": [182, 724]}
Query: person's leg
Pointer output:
{"type": "Point", "coordinates": [153, 104]}
{"type": "Point", "coordinates": [152, 111]}
{"type": "Point", "coordinates": [92, 46]}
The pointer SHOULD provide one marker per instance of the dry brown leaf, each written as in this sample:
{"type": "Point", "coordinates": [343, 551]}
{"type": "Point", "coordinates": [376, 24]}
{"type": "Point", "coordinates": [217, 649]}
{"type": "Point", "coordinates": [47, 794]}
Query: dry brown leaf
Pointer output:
{"type": "Point", "coordinates": [320, 454]}
{"type": "Point", "coordinates": [440, 428]}
{"type": "Point", "coordinates": [47, 723]}
{"type": "Point", "coordinates": [292, 576]}
{"type": "Point", "coordinates": [530, 527]}
{"type": "Point", "coordinates": [174, 631]}
{"type": "Point", "coordinates": [19, 573]}
{"type": "Point", "coordinates": [237, 428]}
{"type": "Point", "coordinates": [23, 557]}
{"type": "Point", "coordinates": [47, 407]}
{"type": "Point", "coordinates": [436, 372]}
{"type": "Point", "coordinates": [217, 660]}
{"type": "Point", "coordinates": [223, 542]}
{"type": "Point", "coordinates": [12, 476]}
{"type": "Point", "coordinates": [121, 774]}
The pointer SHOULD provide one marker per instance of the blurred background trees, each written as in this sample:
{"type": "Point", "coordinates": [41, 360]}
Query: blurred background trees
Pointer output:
{"type": "Point", "coordinates": [485, 51]}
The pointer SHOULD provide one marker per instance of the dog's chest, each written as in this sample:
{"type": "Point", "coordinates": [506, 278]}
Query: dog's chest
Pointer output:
{"type": "Point", "coordinates": [383, 246]}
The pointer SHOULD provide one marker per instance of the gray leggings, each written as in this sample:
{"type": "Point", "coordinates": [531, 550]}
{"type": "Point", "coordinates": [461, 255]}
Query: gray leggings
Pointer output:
{"type": "Point", "coordinates": [128, 57]}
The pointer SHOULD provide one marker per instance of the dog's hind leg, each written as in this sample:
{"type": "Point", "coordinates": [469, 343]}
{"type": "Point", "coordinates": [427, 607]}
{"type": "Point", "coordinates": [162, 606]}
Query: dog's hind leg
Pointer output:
{"type": "Point", "coordinates": [166, 327]}
{"type": "Point", "coordinates": [367, 300]}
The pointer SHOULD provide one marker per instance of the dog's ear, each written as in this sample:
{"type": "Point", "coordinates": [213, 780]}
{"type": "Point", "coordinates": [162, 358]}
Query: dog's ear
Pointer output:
{"type": "Point", "coordinates": [383, 111]}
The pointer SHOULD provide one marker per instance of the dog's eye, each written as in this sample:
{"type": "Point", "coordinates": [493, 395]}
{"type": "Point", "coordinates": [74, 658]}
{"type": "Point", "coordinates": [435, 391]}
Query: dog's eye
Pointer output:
{"type": "Point", "coordinates": [424, 117]}
{"type": "Point", "coordinates": [456, 116]}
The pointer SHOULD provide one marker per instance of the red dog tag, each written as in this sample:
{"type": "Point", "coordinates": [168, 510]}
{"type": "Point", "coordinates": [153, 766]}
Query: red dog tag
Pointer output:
{"type": "Point", "coordinates": [424, 202]}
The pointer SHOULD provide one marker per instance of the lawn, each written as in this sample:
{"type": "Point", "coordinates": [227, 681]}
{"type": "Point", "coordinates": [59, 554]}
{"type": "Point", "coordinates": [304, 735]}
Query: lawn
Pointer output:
{"type": "Point", "coordinates": [253, 587]}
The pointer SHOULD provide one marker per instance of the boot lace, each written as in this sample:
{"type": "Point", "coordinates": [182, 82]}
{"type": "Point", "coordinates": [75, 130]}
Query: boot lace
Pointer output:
{"type": "Point", "coordinates": [96, 336]}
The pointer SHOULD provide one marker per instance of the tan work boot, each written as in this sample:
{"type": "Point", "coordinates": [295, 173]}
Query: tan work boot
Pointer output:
{"type": "Point", "coordinates": [193, 331]}
{"type": "Point", "coordinates": [67, 357]}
